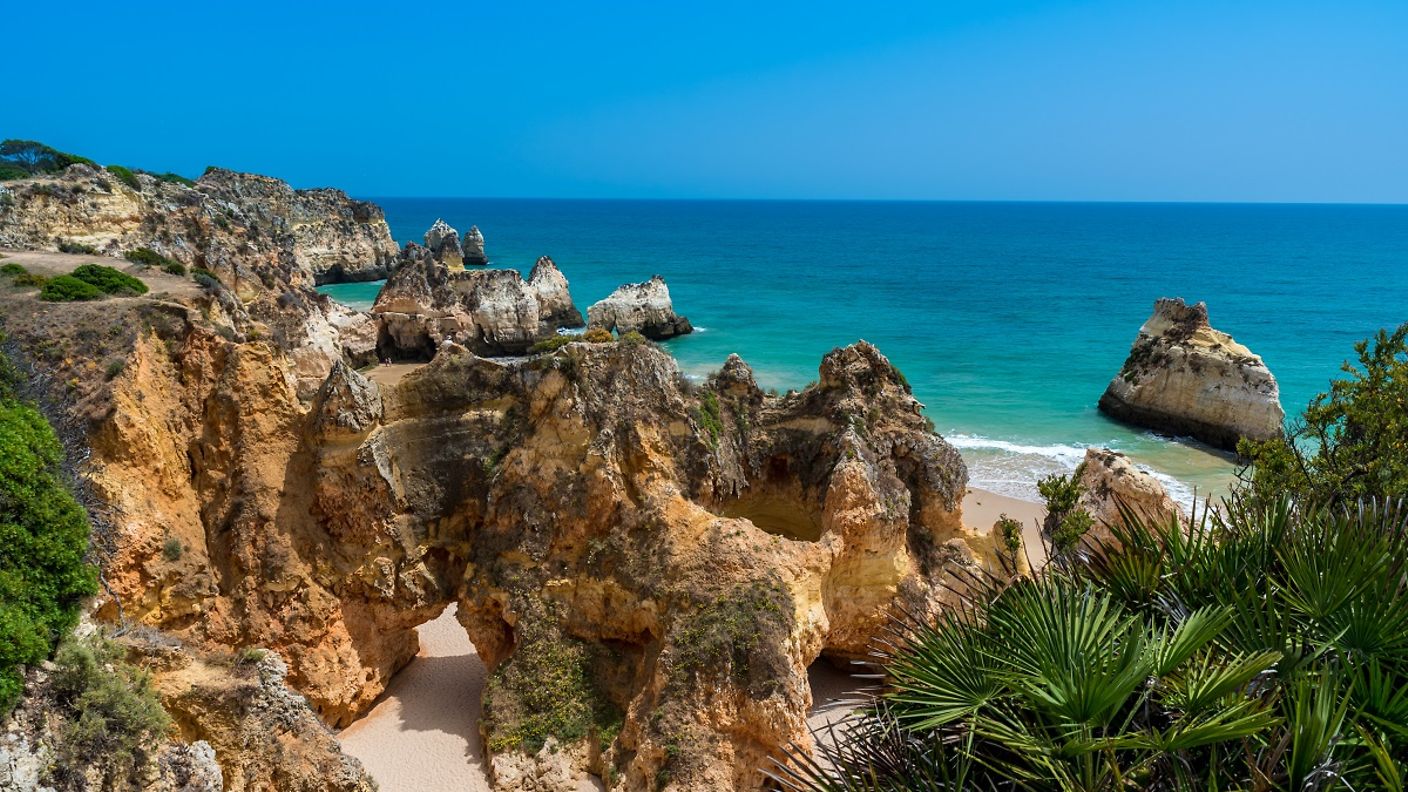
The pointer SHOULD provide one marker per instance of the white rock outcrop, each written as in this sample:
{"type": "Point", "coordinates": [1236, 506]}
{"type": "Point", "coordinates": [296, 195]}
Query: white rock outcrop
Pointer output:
{"type": "Point", "coordinates": [644, 308]}
{"type": "Point", "coordinates": [1185, 378]}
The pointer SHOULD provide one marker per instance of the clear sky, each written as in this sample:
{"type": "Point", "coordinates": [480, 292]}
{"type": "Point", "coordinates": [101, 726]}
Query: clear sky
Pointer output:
{"type": "Point", "coordinates": [1176, 100]}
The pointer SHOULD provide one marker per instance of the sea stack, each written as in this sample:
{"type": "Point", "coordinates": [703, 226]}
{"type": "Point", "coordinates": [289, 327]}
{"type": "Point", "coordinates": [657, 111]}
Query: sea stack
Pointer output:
{"type": "Point", "coordinates": [1185, 378]}
{"type": "Point", "coordinates": [644, 308]}
{"type": "Point", "coordinates": [474, 248]}
{"type": "Point", "coordinates": [443, 241]}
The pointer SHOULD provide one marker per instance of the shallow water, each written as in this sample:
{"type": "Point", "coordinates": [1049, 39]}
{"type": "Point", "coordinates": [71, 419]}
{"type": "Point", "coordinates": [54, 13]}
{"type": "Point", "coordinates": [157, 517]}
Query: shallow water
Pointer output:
{"type": "Point", "coordinates": [1008, 318]}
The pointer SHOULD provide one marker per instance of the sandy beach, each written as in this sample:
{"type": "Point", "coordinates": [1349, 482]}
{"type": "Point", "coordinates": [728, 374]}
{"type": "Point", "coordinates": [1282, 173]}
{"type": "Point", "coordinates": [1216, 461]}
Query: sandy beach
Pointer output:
{"type": "Point", "coordinates": [423, 734]}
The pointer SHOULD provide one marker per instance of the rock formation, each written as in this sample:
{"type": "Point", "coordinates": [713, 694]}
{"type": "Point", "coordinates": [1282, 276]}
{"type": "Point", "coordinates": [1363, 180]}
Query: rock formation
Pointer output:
{"type": "Point", "coordinates": [238, 225]}
{"type": "Point", "coordinates": [443, 242]}
{"type": "Point", "coordinates": [1185, 378]}
{"type": "Point", "coordinates": [647, 566]}
{"type": "Point", "coordinates": [491, 311]}
{"type": "Point", "coordinates": [1109, 479]}
{"type": "Point", "coordinates": [474, 248]}
{"type": "Point", "coordinates": [644, 308]}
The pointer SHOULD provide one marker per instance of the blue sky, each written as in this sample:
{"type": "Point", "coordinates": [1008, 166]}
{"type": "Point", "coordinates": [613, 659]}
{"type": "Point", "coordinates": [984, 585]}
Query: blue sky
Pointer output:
{"type": "Point", "coordinates": [1189, 100]}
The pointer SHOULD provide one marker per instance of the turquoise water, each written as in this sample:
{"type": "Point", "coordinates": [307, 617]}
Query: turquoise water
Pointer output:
{"type": "Point", "coordinates": [1008, 318]}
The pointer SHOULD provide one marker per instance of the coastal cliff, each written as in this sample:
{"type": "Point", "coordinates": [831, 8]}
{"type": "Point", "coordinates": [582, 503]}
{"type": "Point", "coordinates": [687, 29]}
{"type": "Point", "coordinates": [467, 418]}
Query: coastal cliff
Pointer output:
{"type": "Point", "coordinates": [647, 566]}
{"type": "Point", "coordinates": [1185, 378]}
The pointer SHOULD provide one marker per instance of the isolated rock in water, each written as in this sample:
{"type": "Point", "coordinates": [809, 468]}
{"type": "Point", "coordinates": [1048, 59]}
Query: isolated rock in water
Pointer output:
{"type": "Point", "coordinates": [489, 311]}
{"type": "Point", "coordinates": [1108, 479]}
{"type": "Point", "coordinates": [554, 300]}
{"type": "Point", "coordinates": [444, 242]}
{"type": "Point", "coordinates": [1185, 378]}
{"type": "Point", "coordinates": [644, 308]}
{"type": "Point", "coordinates": [474, 247]}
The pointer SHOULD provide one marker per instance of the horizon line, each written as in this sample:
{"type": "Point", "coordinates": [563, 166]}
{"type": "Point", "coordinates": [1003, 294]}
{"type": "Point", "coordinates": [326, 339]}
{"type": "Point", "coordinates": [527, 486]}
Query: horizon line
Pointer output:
{"type": "Point", "coordinates": [680, 199]}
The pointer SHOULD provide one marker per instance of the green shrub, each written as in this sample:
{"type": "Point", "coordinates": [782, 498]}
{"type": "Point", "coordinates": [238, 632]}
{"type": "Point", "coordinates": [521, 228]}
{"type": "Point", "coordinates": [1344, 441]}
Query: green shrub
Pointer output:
{"type": "Point", "coordinates": [553, 344]}
{"type": "Point", "coordinates": [10, 172]}
{"type": "Point", "coordinates": [111, 714]}
{"type": "Point", "coordinates": [43, 536]}
{"type": "Point", "coordinates": [1065, 523]}
{"type": "Point", "coordinates": [149, 258]}
{"type": "Point", "coordinates": [30, 279]}
{"type": "Point", "coordinates": [598, 335]}
{"type": "Point", "coordinates": [205, 278]}
{"type": "Point", "coordinates": [77, 248]}
{"type": "Point", "coordinates": [171, 549]}
{"type": "Point", "coordinates": [13, 269]}
{"type": "Point", "coordinates": [1350, 443]}
{"type": "Point", "coordinates": [109, 280]}
{"type": "Point", "coordinates": [126, 176]}
{"type": "Point", "coordinates": [632, 338]}
{"type": "Point", "coordinates": [174, 178]}
{"type": "Point", "coordinates": [710, 416]}
{"type": "Point", "coordinates": [114, 368]}
{"type": "Point", "coordinates": [1009, 532]}
{"type": "Point", "coordinates": [35, 158]}
{"type": "Point", "coordinates": [174, 268]}
{"type": "Point", "coordinates": [66, 288]}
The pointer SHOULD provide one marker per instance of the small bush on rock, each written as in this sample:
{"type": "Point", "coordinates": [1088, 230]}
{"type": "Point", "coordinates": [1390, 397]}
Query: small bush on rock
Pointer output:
{"type": "Point", "coordinates": [77, 248]}
{"type": "Point", "coordinates": [632, 338]}
{"type": "Point", "coordinates": [126, 176]}
{"type": "Point", "coordinates": [598, 335]}
{"type": "Point", "coordinates": [149, 258]}
{"type": "Point", "coordinates": [553, 344]}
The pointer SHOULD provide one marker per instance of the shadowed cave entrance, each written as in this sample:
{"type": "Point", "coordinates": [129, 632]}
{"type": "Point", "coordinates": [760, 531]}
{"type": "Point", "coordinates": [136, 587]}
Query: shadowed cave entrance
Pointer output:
{"type": "Point", "coordinates": [777, 504]}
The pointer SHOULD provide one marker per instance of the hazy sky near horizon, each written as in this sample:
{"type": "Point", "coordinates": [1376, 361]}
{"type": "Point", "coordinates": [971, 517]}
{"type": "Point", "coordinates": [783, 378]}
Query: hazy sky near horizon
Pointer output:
{"type": "Point", "coordinates": [1193, 100]}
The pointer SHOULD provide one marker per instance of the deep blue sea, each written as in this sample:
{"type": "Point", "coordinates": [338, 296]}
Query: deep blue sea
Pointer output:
{"type": "Point", "coordinates": [1008, 318]}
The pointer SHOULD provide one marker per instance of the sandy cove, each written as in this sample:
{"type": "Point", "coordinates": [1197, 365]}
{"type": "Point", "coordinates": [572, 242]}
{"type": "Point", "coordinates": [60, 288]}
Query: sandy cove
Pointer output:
{"type": "Point", "coordinates": [423, 733]}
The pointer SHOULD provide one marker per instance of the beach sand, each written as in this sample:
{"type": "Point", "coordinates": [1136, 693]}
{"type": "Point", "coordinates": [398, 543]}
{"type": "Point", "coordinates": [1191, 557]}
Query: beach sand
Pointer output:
{"type": "Point", "coordinates": [423, 733]}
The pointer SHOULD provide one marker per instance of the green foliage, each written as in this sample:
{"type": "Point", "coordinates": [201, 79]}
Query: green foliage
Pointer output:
{"type": "Point", "coordinates": [43, 536]}
{"type": "Point", "coordinates": [174, 178]}
{"type": "Point", "coordinates": [171, 549]}
{"type": "Point", "coordinates": [111, 715]}
{"type": "Point", "coordinates": [150, 258]}
{"type": "Point", "coordinates": [1065, 523]}
{"type": "Point", "coordinates": [76, 248]}
{"type": "Point", "coordinates": [12, 269]}
{"type": "Point", "coordinates": [544, 690]}
{"type": "Point", "coordinates": [66, 288]}
{"type": "Point", "coordinates": [1010, 532]}
{"type": "Point", "coordinates": [598, 335]}
{"type": "Point", "coordinates": [553, 343]}
{"type": "Point", "coordinates": [30, 279]}
{"type": "Point", "coordinates": [710, 416]}
{"type": "Point", "coordinates": [1263, 647]}
{"type": "Point", "coordinates": [34, 158]}
{"type": "Point", "coordinates": [633, 338]}
{"type": "Point", "coordinates": [109, 280]}
{"type": "Point", "coordinates": [126, 176]}
{"type": "Point", "coordinates": [10, 172]}
{"type": "Point", "coordinates": [732, 635]}
{"type": "Point", "coordinates": [174, 268]}
{"type": "Point", "coordinates": [205, 278]}
{"type": "Point", "coordinates": [1353, 440]}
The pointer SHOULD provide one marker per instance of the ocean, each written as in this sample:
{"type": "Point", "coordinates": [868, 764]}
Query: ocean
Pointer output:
{"type": "Point", "coordinates": [1007, 318]}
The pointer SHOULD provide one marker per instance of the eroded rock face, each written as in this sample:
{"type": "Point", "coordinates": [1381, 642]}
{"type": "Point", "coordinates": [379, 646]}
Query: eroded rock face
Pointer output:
{"type": "Point", "coordinates": [1109, 479]}
{"type": "Point", "coordinates": [1185, 378]}
{"type": "Point", "coordinates": [490, 311]}
{"type": "Point", "coordinates": [680, 554]}
{"type": "Point", "coordinates": [644, 308]}
{"type": "Point", "coordinates": [443, 242]}
{"type": "Point", "coordinates": [474, 248]}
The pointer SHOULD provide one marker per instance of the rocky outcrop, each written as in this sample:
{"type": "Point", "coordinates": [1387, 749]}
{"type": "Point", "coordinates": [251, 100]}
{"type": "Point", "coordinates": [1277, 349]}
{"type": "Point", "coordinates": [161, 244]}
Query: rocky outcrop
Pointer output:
{"type": "Point", "coordinates": [474, 248]}
{"type": "Point", "coordinates": [239, 225]}
{"type": "Point", "coordinates": [1109, 480]}
{"type": "Point", "coordinates": [491, 311]}
{"type": "Point", "coordinates": [677, 555]}
{"type": "Point", "coordinates": [1185, 378]}
{"type": "Point", "coordinates": [643, 308]}
{"type": "Point", "coordinates": [443, 242]}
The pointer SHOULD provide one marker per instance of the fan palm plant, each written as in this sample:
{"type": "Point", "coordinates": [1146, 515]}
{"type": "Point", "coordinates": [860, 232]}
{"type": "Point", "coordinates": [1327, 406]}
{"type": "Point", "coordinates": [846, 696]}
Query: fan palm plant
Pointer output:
{"type": "Point", "coordinates": [1260, 647]}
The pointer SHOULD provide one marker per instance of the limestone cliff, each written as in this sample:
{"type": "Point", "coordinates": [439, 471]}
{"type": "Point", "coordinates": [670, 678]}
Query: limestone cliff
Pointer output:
{"type": "Point", "coordinates": [229, 222]}
{"type": "Point", "coordinates": [1185, 378]}
{"type": "Point", "coordinates": [443, 242]}
{"type": "Point", "coordinates": [643, 308]}
{"type": "Point", "coordinates": [491, 311]}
